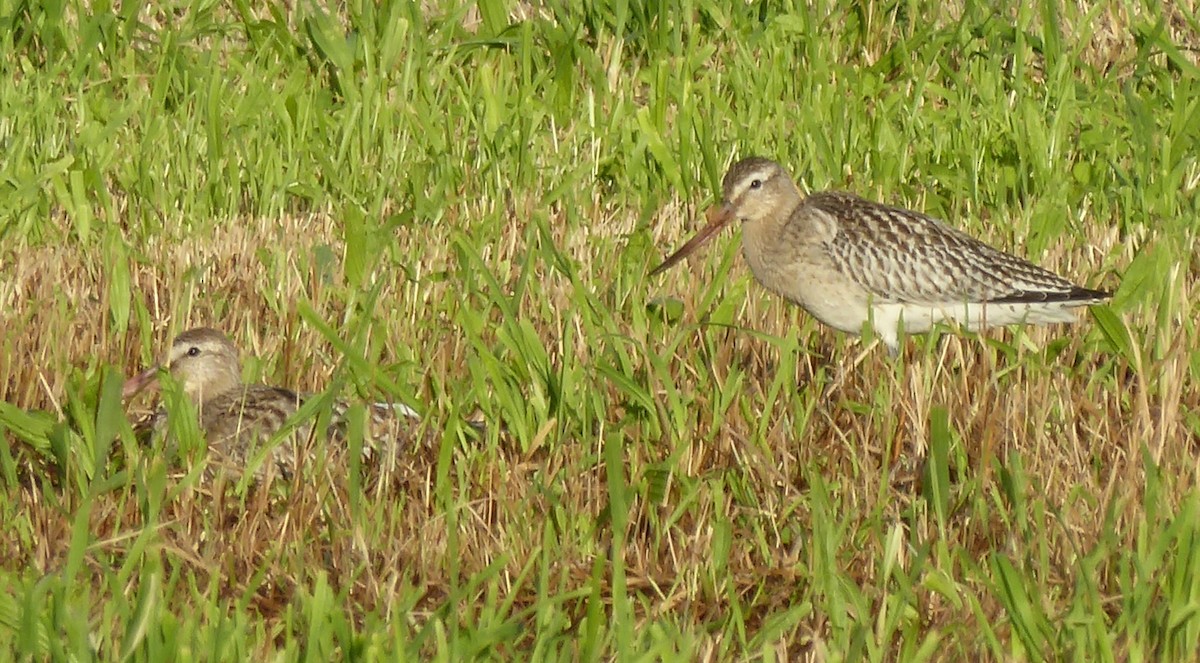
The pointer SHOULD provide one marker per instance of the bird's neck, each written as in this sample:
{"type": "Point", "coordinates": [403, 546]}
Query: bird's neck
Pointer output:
{"type": "Point", "coordinates": [763, 237]}
{"type": "Point", "coordinates": [214, 384]}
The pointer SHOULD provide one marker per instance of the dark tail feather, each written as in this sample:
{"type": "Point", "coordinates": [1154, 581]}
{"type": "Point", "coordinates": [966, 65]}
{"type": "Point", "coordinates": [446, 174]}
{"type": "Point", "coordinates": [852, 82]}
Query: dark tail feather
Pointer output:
{"type": "Point", "coordinates": [1076, 294]}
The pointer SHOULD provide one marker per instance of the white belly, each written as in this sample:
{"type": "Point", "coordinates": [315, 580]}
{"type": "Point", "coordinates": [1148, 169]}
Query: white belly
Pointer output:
{"type": "Point", "coordinates": [921, 317]}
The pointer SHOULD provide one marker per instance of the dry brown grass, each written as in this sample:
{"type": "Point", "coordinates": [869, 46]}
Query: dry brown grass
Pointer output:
{"type": "Point", "coordinates": [511, 509]}
{"type": "Point", "coordinates": [1080, 439]}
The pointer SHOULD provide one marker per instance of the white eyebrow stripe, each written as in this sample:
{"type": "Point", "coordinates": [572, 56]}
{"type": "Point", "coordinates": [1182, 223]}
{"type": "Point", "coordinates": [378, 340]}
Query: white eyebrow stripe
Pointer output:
{"type": "Point", "coordinates": [763, 174]}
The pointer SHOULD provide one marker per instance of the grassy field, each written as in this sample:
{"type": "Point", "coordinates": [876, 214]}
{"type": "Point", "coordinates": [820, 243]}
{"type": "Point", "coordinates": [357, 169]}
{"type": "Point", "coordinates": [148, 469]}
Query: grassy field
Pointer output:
{"type": "Point", "coordinates": [457, 205]}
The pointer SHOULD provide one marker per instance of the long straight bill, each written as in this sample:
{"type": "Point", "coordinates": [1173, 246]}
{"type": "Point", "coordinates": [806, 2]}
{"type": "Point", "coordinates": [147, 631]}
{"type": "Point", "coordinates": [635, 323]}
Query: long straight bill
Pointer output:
{"type": "Point", "coordinates": [718, 218]}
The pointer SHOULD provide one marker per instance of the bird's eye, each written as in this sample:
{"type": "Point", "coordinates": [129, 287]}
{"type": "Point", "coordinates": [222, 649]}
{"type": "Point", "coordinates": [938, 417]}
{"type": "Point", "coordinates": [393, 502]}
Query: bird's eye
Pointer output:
{"type": "Point", "coordinates": [193, 351]}
{"type": "Point", "coordinates": [756, 184]}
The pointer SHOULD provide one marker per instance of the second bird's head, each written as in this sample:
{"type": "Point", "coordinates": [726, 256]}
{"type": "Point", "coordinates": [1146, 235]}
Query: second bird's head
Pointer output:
{"type": "Point", "coordinates": [203, 361]}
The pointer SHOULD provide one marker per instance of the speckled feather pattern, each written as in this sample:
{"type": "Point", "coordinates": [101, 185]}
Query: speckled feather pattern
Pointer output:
{"type": "Point", "coordinates": [850, 261]}
{"type": "Point", "coordinates": [237, 419]}
{"type": "Point", "coordinates": [907, 257]}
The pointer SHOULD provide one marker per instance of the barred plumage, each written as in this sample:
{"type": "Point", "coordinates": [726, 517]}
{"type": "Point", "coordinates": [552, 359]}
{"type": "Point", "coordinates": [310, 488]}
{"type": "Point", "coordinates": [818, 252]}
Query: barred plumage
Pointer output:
{"type": "Point", "coordinates": [236, 419]}
{"type": "Point", "coordinates": [850, 261]}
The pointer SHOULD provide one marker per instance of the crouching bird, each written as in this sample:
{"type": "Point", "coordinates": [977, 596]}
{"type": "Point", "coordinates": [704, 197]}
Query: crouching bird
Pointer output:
{"type": "Point", "coordinates": [236, 418]}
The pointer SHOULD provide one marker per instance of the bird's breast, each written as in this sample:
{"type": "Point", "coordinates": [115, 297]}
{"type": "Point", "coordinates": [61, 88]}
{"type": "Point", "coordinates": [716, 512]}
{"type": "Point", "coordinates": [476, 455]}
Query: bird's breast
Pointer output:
{"type": "Point", "coordinates": [805, 275]}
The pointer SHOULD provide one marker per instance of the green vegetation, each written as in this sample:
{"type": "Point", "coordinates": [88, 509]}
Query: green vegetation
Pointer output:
{"type": "Point", "coordinates": [457, 206]}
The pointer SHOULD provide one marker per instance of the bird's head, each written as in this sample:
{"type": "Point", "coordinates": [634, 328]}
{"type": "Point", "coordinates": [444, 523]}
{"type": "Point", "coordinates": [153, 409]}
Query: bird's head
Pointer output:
{"type": "Point", "coordinates": [203, 361]}
{"type": "Point", "coordinates": [755, 190]}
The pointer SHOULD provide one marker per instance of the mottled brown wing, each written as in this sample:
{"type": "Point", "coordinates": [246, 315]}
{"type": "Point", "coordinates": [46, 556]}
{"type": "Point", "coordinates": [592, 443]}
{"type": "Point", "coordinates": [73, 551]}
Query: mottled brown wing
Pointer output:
{"type": "Point", "coordinates": [255, 410]}
{"type": "Point", "coordinates": [237, 422]}
{"type": "Point", "coordinates": [390, 430]}
{"type": "Point", "coordinates": [904, 256]}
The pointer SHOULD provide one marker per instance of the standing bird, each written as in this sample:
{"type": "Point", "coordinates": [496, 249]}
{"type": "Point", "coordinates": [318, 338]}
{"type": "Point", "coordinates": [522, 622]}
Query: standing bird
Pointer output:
{"type": "Point", "coordinates": [849, 261]}
{"type": "Point", "coordinates": [235, 418]}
